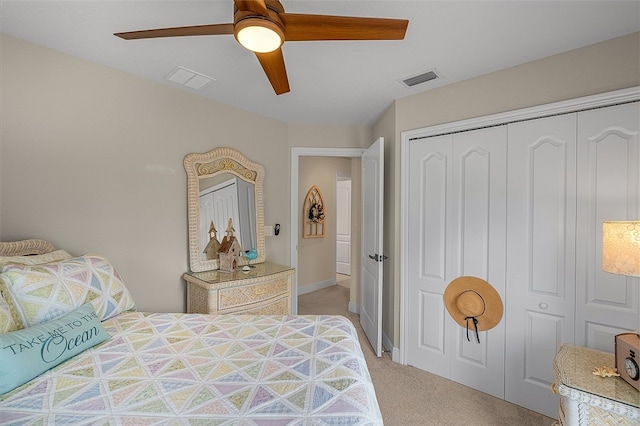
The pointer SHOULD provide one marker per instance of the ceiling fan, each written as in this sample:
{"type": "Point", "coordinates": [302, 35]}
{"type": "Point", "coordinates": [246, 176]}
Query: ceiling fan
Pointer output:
{"type": "Point", "coordinates": [262, 26]}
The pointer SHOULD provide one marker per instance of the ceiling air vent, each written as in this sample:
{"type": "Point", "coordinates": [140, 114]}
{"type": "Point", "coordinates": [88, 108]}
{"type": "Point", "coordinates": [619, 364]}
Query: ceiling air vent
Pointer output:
{"type": "Point", "coordinates": [192, 79]}
{"type": "Point", "coordinates": [420, 78]}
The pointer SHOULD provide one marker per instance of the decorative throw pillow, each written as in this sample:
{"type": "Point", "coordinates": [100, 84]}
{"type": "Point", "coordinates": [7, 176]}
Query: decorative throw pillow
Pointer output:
{"type": "Point", "coordinates": [45, 292]}
{"type": "Point", "coordinates": [38, 259]}
{"type": "Point", "coordinates": [6, 319]}
{"type": "Point", "coordinates": [30, 352]}
{"type": "Point", "coordinates": [13, 321]}
{"type": "Point", "coordinates": [13, 311]}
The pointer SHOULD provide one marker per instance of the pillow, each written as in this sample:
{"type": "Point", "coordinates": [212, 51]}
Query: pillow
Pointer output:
{"type": "Point", "coordinates": [7, 323]}
{"type": "Point", "coordinates": [30, 352]}
{"type": "Point", "coordinates": [9, 317]}
{"type": "Point", "coordinates": [13, 311]}
{"type": "Point", "coordinates": [38, 259]}
{"type": "Point", "coordinates": [44, 292]}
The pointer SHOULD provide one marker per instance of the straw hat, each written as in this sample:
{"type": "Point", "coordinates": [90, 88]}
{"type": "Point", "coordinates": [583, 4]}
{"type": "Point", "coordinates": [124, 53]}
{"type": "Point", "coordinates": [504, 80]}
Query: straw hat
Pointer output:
{"type": "Point", "coordinates": [471, 297]}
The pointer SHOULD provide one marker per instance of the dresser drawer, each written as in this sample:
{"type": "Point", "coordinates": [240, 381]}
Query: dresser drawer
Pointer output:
{"type": "Point", "coordinates": [278, 306]}
{"type": "Point", "coordinates": [242, 295]}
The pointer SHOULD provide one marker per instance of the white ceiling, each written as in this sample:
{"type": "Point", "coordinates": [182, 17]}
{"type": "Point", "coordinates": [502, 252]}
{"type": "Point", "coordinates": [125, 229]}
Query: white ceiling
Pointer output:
{"type": "Point", "coordinates": [350, 82]}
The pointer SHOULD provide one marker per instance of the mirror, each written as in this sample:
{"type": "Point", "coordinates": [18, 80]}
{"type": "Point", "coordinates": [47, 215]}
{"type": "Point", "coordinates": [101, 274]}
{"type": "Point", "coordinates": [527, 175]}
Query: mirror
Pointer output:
{"type": "Point", "coordinates": [223, 184]}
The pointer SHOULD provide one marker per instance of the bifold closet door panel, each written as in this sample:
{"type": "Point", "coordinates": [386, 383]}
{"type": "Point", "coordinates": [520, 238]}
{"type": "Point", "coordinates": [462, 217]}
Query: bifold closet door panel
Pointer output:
{"type": "Point", "coordinates": [608, 189]}
{"type": "Point", "coordinates": [225, 201]}
{"type": "Point", "coordinates": [246, 215]}
{"type": "Point", "coordinates": [478, 238]}
{"type": "Point", "coordinates": [540, 256]}
{"type": "Point", "coordinates": [206, 211]}
{"type": "Point", "coordinates": [457, 205]}
{"type": "Point", "coordinates": [429, 254]}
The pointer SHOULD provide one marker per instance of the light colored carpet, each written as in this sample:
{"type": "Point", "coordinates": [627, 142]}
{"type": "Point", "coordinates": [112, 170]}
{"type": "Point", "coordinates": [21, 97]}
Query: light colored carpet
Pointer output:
{"type": "Point", "coordinates": [343, 280]}
{"type": "Point", "coordinates": [410, 396]}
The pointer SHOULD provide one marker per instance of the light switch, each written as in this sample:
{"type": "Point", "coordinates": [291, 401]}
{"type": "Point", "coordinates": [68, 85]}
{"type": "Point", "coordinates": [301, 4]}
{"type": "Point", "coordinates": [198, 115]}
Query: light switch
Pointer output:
{"type": "Point", "coordinates": [268, 231]}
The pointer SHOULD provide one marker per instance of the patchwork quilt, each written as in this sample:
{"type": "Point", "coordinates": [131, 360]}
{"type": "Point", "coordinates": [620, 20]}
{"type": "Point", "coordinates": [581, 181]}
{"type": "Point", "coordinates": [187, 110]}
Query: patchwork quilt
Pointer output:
{"type": "Point", "coordinates": [174, 369]}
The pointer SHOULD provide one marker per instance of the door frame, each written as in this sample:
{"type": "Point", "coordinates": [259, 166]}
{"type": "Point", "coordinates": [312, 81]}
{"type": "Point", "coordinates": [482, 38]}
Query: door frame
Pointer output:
{"type": "Point", "coordinates": [631, 94]}
{"type": "Point", "coordinates": [296, 153]}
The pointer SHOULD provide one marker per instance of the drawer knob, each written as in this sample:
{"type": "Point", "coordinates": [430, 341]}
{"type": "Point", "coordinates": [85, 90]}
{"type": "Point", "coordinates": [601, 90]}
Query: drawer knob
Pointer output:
{"type": "Point", "coordinates": [543, 305]}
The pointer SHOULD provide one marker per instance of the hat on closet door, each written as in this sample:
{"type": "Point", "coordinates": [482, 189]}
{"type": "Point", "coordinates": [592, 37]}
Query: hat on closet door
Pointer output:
{"type": "Point", "coordinates": [473, 303]}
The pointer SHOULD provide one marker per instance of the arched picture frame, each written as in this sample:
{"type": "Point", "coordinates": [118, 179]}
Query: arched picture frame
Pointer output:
{"type": "Point", "coordinates": [313, 214]}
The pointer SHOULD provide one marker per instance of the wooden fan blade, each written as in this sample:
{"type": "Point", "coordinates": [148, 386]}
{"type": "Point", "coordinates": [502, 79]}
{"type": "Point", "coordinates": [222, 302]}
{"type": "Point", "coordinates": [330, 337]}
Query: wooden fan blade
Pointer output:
{"type": "Point", "coordinates": [273, 66]}
{"type": "Point", "coordinates": [301, 27]}
{"type": "Point", "coordinates": [256, 6]}
{"type": "Point", "coordinates": [197, 30]}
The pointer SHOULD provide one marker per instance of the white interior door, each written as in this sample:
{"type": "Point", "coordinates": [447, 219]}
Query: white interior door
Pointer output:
{"type": "Point", "coordinates": [372, 244]}
{"type": "Point", "coordinates": [343, 226]}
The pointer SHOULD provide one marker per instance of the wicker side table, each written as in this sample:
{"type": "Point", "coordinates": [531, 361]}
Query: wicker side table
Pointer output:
{"type": "Point", "coordinates": [263, 290]}
{"type": "Point", "coordinates": [587, 399]}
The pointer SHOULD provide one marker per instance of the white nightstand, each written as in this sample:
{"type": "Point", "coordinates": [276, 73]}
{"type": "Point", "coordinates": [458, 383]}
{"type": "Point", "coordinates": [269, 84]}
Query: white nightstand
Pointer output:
{"type": "Point", "coordinates": [587, 399]}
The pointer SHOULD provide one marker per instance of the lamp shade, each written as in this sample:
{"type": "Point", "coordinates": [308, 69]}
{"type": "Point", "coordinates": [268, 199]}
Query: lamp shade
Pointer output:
{"type": "Point", "coordinates": [621, 247]}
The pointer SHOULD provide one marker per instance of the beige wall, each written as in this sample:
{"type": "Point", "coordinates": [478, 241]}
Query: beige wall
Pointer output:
{"type": "Point", "coordinates": [317, 256]}
{"type": "Point", "coordinates": [92, 160]}
{"type": "Point", "coordinates": [327, 136]}
{"type": "Point", "coordinates": [602, 67]}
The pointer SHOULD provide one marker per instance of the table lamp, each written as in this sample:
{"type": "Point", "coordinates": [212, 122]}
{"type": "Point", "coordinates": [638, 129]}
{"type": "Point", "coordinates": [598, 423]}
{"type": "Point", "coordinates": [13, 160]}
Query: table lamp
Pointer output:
{"type": "Point", "coordinates": [621, 255]}
{"type": "Point", "coordinates": [621, 247]}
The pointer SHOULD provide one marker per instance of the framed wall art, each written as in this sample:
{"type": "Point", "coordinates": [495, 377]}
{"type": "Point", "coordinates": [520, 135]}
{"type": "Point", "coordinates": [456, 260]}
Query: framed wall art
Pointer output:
{"type": "Point", "coordinates": [313, 214]}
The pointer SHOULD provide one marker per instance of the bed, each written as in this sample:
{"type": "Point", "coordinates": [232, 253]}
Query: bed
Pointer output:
{"type": "Point", "coordinates": [169, 368]}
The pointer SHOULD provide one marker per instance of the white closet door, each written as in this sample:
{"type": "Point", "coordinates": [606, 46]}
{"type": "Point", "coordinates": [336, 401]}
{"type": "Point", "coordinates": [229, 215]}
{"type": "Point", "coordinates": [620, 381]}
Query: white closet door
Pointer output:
{"type": "Point", "coordinates": [478, 212]}
{"type": "Point", "coordinates": [428, 253]}
{"type": "Point", "coordinates": [457, 204]}
{"type": "Point", "coordinates": [225, 207]}
{"type": "Point", "coordinates": [608, 189]}
{"type": "Point", "coordinates": [246, 225]}
{"type": "Point", "coordinates": [541, 256]}
{"type": "Point", "coordinates": [206, 212]}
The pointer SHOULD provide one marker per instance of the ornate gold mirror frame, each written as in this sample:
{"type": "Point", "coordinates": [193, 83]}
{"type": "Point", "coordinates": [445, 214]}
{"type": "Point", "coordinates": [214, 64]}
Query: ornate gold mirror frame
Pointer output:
{"type": "Point", "coordinates": [216, 162]}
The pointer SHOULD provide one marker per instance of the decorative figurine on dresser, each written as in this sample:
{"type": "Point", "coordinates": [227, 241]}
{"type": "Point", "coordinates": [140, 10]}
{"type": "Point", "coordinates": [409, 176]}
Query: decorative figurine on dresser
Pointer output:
{"type": "Point", "coordinates": [224, 282]}
{"type": "Point", "coordinates": [229, 250]}
{"type": "Point", "coordinates": [211, 250]}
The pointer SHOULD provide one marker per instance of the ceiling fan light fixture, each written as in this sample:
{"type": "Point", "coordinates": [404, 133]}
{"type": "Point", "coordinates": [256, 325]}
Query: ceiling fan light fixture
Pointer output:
{"type": "Point", "coordinates": [259, 35]}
